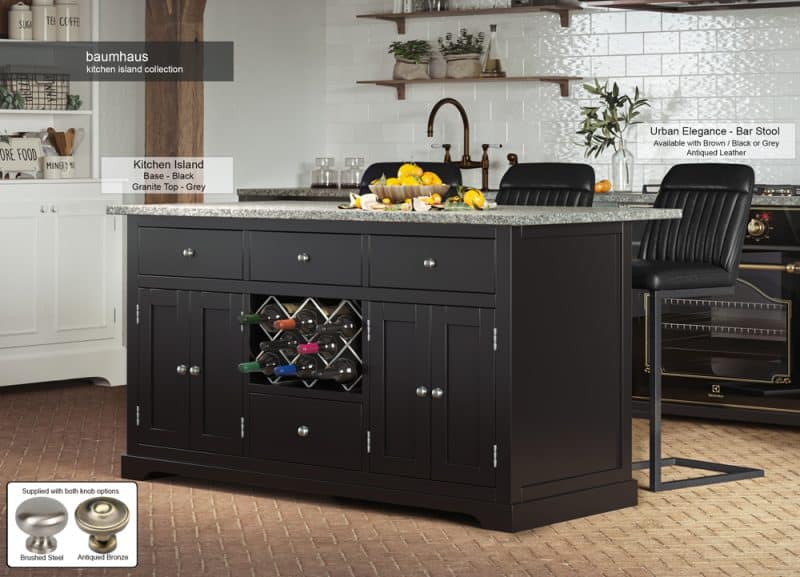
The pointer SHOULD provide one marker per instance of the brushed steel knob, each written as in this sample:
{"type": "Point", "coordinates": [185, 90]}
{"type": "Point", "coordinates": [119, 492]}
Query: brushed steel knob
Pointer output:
{"type": "Point", "coordinates": [41, 518]}
{"type": "Point", "coordinates": [422, 392]}
{"type": "Point", "coordinates": [182, 369]}
{"type": "Point", "coordinates": [194, 371]}
{"type": "Point", "coordinates": [303, 431]}
{"type": "Point", "coordinates": [102, 518]}
{"type": "Point", "coordinates": [303, 257]}
{"type": "Point", "coordinates": [437, 393]}
{"type": "Point", "coordinates": [188, 252]}
{"type": "Point", "coordinates": [429, 263]}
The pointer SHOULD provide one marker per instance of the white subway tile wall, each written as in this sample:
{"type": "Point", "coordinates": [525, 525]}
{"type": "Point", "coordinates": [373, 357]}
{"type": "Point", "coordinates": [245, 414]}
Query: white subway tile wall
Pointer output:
{"type": "Point", "coordinates": [716, 66]}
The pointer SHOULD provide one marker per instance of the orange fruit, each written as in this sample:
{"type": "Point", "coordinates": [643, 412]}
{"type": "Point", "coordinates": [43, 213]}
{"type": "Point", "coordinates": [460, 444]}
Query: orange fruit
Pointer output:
{"type": "Point", "coordinates": [602, 186]}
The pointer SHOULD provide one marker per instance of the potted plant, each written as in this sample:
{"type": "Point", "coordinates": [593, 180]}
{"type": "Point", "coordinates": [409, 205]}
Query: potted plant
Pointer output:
{"type": "Point", "coordinates": [462, 53]}
{"type": "Point", "coordinates": [411, 59]}
{"type": "Point", "coordinates": [605, 126]}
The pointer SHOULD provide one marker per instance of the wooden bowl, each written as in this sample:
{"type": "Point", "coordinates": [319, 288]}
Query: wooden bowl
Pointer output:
{"type": "Point", "coordinates": [398, 194]}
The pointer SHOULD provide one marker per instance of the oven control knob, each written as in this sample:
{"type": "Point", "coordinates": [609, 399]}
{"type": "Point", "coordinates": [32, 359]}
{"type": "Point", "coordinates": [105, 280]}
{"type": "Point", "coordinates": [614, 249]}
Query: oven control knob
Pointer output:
{"type": "Point", "coordinates": [756, 227]}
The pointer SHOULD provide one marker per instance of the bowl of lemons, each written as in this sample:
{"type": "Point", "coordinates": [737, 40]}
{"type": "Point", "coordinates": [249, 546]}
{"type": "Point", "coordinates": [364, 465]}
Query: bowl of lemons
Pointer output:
{"type": "Point", "coordinates": [411, 182]}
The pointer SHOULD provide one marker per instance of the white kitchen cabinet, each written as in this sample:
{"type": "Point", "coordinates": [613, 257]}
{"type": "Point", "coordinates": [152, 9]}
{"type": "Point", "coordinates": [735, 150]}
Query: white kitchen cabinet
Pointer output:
{"type": "Point", "coordinates": [61, 289]}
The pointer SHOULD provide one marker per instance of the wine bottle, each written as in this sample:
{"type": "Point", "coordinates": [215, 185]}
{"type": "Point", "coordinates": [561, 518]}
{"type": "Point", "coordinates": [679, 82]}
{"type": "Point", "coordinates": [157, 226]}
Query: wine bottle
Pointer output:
{"type": "Point", "coordinates": [266, 316]}
{"type": "Point", "coordinates": [305, 368]}
{"type": "Point", "coordinates": [343, 324]}
{"type": "Point", "coordinates": [306, 321]}
{"type": "Point", "coordinates": [310, 368]}
{"type": "Point", "coordinates": [341, 371]}
{"type": "Point", "coordinates": [266, 364]}
{"type": "Point", "coordinates": [326, 346]}
{"type": "Point", "coordinates": [287, 342]}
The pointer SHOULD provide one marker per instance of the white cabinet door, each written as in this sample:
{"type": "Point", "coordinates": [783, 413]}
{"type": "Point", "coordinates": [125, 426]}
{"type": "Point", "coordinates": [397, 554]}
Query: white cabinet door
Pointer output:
{"type": "Point", "coordinates": [85, 288]}
{"type": "Point", "coordinates": [25, 237]}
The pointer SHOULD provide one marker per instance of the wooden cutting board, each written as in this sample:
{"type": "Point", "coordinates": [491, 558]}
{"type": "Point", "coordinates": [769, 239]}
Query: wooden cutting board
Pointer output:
{"type": "Point", "coordinates": [4, 6]}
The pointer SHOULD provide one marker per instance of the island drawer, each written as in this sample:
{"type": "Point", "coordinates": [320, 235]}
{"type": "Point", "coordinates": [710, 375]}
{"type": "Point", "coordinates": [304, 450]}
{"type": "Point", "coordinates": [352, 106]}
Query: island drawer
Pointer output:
{"type": "Point", "coordinates": [307, 431]}
{"type": "Point", "coordinates": [306, 258]}
{"type": "Point", "coordinates": [191, 253]}
{"type": "Point", "coordinates": [431, 263]}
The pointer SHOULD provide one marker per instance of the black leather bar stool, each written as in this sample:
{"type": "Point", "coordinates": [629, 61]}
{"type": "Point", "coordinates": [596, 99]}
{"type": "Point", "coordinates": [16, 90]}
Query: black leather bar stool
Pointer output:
{"type": "Point", "coordinates": [449, 173]}
{"type": "Point", "coordinates": [697, 256]}
{"type": "Point", "coordinates": [547, 184]}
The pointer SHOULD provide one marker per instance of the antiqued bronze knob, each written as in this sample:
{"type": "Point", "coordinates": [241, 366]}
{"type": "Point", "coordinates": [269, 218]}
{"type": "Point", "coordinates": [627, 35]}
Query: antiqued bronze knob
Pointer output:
{"type": "Point", "coordinates": [41, 518]}
{"type": "Point", "coordinates": [102, 518]}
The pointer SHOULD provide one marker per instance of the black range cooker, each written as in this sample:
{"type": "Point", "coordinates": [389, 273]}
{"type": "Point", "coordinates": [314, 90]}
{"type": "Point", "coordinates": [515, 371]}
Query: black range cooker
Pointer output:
{"type": "Point", "coordinates": [735, 357]}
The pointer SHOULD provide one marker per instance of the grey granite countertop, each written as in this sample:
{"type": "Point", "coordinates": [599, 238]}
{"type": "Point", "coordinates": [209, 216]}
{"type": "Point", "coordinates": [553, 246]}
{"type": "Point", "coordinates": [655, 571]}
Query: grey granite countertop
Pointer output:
{"type": "Point", "coordinates": [616, 198]}
{"type": "Point", "coordinates": [299, 193]}
{"type": "Point", "coordinates": [320, 210]}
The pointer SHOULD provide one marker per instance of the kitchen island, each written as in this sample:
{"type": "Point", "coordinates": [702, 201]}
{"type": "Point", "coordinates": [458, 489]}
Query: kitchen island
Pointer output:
{"type": "Point", "coordinates": [491, 352]}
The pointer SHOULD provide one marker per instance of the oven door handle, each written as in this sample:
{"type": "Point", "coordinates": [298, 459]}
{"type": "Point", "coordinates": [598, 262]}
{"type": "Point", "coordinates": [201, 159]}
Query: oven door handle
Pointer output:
{"type": "Point", "coordinates": [790, 268]}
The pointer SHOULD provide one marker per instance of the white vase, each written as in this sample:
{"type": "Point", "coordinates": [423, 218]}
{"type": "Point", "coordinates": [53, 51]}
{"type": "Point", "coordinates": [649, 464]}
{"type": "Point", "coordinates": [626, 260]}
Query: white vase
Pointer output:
{"type": "Point", "coordinates": [622, 165]}
{"type": "Point", "coordinates": [463, 65]}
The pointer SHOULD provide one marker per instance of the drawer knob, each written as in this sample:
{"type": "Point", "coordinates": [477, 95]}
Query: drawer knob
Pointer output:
{"type": "Point", "coordinates": [182, 369]}
{"type": "Point", "coordinates": [41, 518]}
{"type": "Point", "coordinates": [303, 431]}
{"type": "Point", "coordinates": [429, 263]}
{"type": "Point", "coordinates": [194, 371]}
{"type": "Point", "coordinates": [422, 392]}
{"type": "Point", "coordinates": [102, 518]}
{"type": "Point", "coordinates": [188, 252]}
{"type": "Point", "coordinates": [437, 393]}
{"type": "Point", "coordinates": [303, 257]}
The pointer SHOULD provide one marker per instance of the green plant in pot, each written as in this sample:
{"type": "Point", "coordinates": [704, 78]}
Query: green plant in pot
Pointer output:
{"type": "Point", "coordinates": [462, 53]}
{"type": "Point", "coordinates": [605, 126]}
{"type": "Point", "coordinates": [11, 100]}
{"type": "Point", "coordinates": [411, 59]}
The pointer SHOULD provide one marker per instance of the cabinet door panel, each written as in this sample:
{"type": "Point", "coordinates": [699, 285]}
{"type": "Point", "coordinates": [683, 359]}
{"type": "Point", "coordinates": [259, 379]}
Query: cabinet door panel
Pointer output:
{"type": "Point", "coordinates": [163, 346]}
{"type": "Point", "coordinates": [399, 419]}
{"type": "Point", "coordinates": [216, 393]}
{"type": "Point", "coordinates": [462, 418]}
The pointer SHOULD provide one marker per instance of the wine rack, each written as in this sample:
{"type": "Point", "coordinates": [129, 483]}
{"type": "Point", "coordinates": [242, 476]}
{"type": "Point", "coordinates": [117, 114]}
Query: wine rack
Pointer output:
{"type": "Point", "coordinates": [327, 309]}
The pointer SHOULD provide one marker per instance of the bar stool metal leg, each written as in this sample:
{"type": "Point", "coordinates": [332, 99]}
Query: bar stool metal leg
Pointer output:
{"type": "Point", "coordinates": [655, 463]}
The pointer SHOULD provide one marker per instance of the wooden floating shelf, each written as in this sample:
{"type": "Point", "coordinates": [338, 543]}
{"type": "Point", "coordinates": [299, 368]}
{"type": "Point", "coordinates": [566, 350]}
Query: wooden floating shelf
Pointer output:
{"type": "Point", "coordinates": [400, 85]}
{"type": "Point", "coordinates": [562, 10]}
{"type": "Point", "coordinates": [673, 6]}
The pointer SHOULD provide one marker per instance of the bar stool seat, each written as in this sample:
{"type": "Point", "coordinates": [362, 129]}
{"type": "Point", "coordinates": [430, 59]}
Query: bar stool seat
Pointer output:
{"type": "Point", "coordinates": [695, 257]}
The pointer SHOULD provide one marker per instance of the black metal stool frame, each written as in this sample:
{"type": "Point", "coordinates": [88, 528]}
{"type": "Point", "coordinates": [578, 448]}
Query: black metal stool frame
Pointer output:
{"type": "Point", "coordinates": [655, 463]}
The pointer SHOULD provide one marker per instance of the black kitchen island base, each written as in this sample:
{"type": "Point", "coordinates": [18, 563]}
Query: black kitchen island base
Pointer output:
{"type": "Point", "coordinates": [492, 516]}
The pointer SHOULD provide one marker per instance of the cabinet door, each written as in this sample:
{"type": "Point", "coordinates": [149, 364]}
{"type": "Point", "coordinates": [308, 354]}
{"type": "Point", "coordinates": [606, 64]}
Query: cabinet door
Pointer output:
{"type": "Point", "coordinates": [164, 368]}
{"type": "Point", "coordinates": [23, 246]}
{"type": "Point", "coordinates": [398, 364]}
{"type": "Point", "coordinates": [86, 286]}
{"type": "Point", "coordinates": [462, 395]}
{"type": "Point", "coordinates": [217, 344]}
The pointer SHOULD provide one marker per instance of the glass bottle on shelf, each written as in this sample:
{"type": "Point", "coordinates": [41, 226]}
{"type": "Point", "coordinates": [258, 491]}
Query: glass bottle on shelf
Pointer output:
{"type": "Point", "coordinates": [287, 342]}
{"type": "Point", "coordinates": [343, 324]}
{"type": "Point", "coordinates": [306, 321]}
{"type": "Point", "coordinates": [304, 368]}
{"type": "Point", "coordinates": [326, 346]}
{"type": "Point", "coordinates": [492, 65]}
{"type": "Point", "coordinates": [325, 174]}
{"type": "Point", "coordinates": [311, 368]}
{"type": "Point", "coordinates": [341, 371]}
{"type": "Point", "coordinates": [265, 364]}
{"type": "Point", "coordinates": [352, 173]}
{"type": "Point", "coordinates": [268, 315]}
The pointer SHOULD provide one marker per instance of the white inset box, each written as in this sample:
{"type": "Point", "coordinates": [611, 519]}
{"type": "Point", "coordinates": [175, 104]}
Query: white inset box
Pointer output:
{"type": "Point", "coordinates": [72, 524]}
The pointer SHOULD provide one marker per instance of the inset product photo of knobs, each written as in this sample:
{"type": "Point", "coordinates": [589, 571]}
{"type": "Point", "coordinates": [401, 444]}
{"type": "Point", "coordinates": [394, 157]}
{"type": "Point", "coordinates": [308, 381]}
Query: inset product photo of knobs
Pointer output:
{"type": "Point", "coordinates": [102, 518]}
{"type": "Point", "coordinates": [41, 518]}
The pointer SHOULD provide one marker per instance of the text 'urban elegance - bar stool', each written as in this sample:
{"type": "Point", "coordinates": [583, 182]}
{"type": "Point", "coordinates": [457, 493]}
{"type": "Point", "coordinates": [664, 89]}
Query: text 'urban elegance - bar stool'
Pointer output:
{"type": "Point", "coordinates": [547, 184]}
{"type": "Point", "coordinates": [697, 256]}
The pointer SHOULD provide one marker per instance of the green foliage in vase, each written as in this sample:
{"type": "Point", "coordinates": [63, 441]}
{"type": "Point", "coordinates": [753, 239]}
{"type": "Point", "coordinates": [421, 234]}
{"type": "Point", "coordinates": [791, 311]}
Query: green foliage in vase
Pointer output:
{"type": "Point", "coordinates": [604, 126]}
{"type": "Point", "coordinates": [74, 102]}
{"type": "Point", "coordinates": [464, 43]}
{"type": "Point", "coordinates": [416, 51]}
{"type": "Point", "coordinates": [10, 100]}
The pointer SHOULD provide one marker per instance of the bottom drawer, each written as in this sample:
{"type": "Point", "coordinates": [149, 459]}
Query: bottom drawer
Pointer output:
{"type": "Point", "coordinates": [307, 431]}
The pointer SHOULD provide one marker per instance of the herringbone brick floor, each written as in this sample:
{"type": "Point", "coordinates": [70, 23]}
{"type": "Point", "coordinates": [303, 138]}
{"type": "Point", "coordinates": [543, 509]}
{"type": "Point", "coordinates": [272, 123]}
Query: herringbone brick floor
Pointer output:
{"type": "Point", "coordinates": [191, 528]}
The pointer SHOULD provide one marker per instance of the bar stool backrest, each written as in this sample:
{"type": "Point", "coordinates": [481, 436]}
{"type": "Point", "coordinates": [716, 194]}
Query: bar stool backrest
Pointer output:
{"type": "Point", "coordinates": [547, 184]}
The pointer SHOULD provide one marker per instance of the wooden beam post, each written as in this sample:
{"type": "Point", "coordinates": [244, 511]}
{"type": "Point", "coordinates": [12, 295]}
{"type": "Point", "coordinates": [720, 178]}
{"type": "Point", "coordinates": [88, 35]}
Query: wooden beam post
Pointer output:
{"type": "Point", "coordinates": [174, 110]}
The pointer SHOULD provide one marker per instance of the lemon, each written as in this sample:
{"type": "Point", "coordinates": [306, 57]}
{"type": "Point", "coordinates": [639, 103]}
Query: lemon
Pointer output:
{"type": "Point", "coordinates": [387, 201]}
{"type": "Point", "coordinates": [430, 178]}
{"type": "Point", "coordinates": [409, 169]}
{"type": "Point", "coordinates": [436, 198]}
{"type": "Point", "coordinates": [393, 182]}
{"type": "Point", "coordinates": [474, 198]}
{"type": "Point", "coordinates": [410, 181]}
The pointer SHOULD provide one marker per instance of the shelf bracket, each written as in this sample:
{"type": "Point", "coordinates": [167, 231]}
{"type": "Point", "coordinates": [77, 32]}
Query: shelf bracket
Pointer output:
{"type": "Point", "coordinates": [400, 21]}
{"type": "Point", "coordinates": [401, 91]}
{"type": "Point", "coordinates": [563, 16]}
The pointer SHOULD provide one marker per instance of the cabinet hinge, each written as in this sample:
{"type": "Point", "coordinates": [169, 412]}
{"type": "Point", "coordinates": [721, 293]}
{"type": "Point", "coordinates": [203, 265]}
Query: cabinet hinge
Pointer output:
{"type": "Point", "coordinates": [241, 326]}
{"type": "Point", "coordinates": [369, 442]}
{"type": "Point", "coordinates": [494, 339]}
{"type": "Point", "coordinates": [138, 310]}
{"type": "Point", "coordinates": [369, 330]}
{"type": "Point", "coordinates": [494, 456]}
{"type": "Point", "coordinates": [138, 416]}
{"type": "Point", "coordinates": [242, 427]}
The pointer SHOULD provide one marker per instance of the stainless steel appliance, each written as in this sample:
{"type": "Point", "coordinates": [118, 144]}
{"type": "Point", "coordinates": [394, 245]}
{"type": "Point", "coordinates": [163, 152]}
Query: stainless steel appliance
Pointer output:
{"type": "Point", "coordinates": [736, 357]}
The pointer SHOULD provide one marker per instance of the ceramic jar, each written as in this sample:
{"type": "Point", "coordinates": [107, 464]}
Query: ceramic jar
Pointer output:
{"type": "Point", "coordinates": [20, 22]}
{"type": "Point", "coordinates": [68, 14]}
{"type": "Point", "coordinates": [45, 22]}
